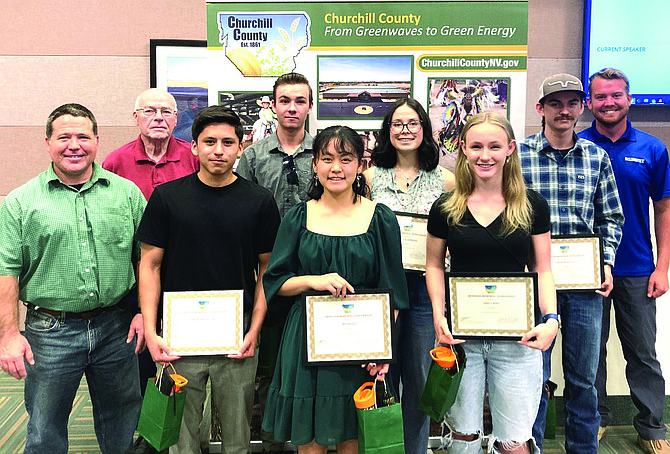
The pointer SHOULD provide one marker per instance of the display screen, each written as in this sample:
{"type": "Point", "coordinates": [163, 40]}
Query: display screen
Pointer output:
{"type": "Point", "coordinates": [632, 36]}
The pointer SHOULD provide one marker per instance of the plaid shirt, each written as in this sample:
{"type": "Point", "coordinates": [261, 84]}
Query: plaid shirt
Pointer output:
{"type": "Point", "coordinates": [579, 187]}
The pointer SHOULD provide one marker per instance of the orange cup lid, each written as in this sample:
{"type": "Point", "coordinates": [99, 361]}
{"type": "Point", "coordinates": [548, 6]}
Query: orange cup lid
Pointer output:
{"type": "Point", "coordinates": [179, 381]}
{"type": "Point", "coordinates": [364, 397]}
{"type": "Point", "coordinates": [443, 356]}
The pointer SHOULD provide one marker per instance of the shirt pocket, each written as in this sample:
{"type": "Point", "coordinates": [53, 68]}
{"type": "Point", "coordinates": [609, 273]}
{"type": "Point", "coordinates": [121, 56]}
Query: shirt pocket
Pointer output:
{"type": "Point", "coordinates": [114, 229]}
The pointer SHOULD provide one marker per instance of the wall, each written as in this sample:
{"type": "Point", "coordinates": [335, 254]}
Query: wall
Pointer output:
{"type": "Point", "coordinates": [97, 53]}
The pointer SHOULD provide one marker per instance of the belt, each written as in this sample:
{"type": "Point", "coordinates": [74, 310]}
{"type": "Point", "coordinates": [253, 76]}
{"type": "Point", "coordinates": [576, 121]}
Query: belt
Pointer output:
{"type": "Point", "coordinates": [86, 315]}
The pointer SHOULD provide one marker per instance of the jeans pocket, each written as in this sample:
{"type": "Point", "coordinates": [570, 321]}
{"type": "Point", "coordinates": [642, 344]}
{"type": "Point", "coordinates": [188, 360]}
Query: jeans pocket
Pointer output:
{"type": "Point", "coordinates": [40, 322]}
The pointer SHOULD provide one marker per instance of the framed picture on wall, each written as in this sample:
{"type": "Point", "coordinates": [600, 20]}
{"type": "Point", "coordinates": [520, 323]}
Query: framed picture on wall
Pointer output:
{"type": "Point", "coordinates": [179, 66]}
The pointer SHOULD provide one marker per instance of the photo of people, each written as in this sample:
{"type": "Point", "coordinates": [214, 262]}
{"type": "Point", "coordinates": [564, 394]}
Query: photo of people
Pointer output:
{"type": "Point", "coordinates": [255, 109]}
{"type": "Point", "coordinates": [453, 101]}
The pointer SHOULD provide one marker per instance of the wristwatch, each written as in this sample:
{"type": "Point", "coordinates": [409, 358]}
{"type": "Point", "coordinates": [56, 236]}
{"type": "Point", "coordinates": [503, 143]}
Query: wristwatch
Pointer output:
{"type": "Point", "coordinates": [550, 316]}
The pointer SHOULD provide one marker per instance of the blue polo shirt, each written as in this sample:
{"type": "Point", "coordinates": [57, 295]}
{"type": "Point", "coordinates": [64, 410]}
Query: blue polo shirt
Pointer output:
{"type": "Point", "coordinates": [642, 170]}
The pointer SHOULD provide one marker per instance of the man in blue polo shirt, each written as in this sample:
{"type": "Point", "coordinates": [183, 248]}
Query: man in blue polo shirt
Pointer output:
{"type": "Point", "coordinates": [642, 171]}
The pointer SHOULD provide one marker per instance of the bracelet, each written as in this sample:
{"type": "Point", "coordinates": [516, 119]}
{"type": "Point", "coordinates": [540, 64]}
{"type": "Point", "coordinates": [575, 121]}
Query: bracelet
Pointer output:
{"type": "Point", "coordinates": [550, 316]}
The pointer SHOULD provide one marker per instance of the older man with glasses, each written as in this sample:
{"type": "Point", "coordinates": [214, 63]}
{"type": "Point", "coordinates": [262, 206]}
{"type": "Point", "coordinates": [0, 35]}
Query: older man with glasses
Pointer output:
{"type": "Point", "coordinates": [156, 156]}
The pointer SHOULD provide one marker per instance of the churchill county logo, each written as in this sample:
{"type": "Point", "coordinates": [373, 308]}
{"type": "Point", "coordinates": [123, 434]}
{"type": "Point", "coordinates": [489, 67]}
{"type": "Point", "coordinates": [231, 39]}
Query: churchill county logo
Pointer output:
{"type": "Point", "coordinates": [348, 308]}
{"type": "Point", "coordinates": [203, 304]}
{"type": "Point", "coordinates": [490, 288]}
{"type": "Point", "coordinates": [564, 249]}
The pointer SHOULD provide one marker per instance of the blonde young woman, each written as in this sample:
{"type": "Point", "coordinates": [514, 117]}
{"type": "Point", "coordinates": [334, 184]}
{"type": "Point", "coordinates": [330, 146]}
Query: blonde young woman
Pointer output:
{"type": "Point", "coordinates": [406, 177]}
{"type": "Point", "coordinates": [492, 223]}
{"type": "Point", "coordinates": [338, 242]}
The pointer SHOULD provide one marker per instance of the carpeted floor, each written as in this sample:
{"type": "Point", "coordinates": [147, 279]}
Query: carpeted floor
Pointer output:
{"type": "Point", "coordinates": [13, 420]}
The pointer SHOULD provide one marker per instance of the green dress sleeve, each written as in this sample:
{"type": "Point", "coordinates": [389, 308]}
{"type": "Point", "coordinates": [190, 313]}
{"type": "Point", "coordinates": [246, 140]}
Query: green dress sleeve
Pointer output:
{"type": "Point", "coordinates": [284, 262]}
{"type": "Point", "coordinates": [391, 272]}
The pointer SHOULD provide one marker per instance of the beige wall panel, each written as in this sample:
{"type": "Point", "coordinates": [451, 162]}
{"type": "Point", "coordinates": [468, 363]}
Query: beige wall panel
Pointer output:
{"type": "Point", "coordinates": [34, 86]}
{"type": "Point", "coordinates": [555, 28]}
{"type": "Point", "coordinates": [96, 27]}
{"type": "Point", "coordinates": [25, 154]}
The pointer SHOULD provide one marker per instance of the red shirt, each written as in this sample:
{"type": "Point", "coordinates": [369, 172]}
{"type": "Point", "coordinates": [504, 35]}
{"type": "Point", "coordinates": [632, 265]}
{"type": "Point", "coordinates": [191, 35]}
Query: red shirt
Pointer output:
{"type": "Point", "coordinates": [131, 162]}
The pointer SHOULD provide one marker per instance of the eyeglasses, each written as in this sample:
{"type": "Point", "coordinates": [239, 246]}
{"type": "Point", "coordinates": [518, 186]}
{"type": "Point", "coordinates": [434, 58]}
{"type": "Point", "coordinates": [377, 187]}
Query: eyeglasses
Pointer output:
{"type": "Point", "coordinates": [289, 165]}
{"type": "Point", "coordinates": [166, 112]}
{"type": "Point", "coordinates": [413, 126]}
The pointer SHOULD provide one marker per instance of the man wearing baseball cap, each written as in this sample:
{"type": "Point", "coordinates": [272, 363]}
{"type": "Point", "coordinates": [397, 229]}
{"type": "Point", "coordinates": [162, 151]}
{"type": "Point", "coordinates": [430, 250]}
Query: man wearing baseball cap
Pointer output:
{"type": "Point", "coordinates": [576, 178]}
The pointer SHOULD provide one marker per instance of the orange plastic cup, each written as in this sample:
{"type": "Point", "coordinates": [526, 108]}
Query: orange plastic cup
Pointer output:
{"type": "Point", "coordinates": [443, 356]}
{"type": "Point", "coordinates": [364, 397]}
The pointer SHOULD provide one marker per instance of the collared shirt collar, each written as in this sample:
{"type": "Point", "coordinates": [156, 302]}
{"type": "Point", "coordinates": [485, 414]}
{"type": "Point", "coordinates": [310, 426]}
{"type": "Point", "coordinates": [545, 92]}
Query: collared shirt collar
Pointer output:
{"type": "Point", "coordinates": [630, 135]}
{"type": "Point", "coordinates": [170, 155]}
{"type": "Point", "coordinates": [273, 142]}
{"type": "Point", "coordinates": [98, 174]}
{"type": "Point", "coordinates": [546, 146]}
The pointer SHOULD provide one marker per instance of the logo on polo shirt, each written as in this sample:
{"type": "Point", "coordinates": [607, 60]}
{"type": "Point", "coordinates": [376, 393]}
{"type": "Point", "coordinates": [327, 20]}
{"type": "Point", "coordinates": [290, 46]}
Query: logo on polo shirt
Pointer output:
{"type": "Point", "coordinates": [631, 159]}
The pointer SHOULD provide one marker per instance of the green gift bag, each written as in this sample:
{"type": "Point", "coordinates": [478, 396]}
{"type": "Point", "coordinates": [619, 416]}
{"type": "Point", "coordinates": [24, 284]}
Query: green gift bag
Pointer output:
{"type": "Point", "coordinates": [441, 388]}
{"type": "Point", "coordinates": [550, 427]}
{"type": "Point", "coordinates": [160, 418]}
{"type": "Point", "coordinates": [380, 429]}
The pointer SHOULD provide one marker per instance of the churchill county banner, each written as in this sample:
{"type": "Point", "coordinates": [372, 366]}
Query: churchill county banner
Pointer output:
{"type": "Point", "coordinates": [455, 57]}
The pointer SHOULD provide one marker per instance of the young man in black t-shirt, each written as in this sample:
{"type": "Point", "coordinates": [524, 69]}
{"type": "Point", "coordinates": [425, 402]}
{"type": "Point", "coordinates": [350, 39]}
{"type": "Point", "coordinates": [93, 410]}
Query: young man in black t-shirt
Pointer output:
{"type": "Point", "coordinates": [210, 230]}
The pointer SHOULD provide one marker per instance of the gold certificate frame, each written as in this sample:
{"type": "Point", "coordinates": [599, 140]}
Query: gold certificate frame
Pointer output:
{"type": "Point", "coordinates": [577, 262]}
{"type": "Point", "coordinates": [356, 329]}
{"type": "Point", "coordinates": [492, 305]}
{"type": "Point", "coordinates": [413, 231]}
{"type": "Point", "coordinates": [204, 322]}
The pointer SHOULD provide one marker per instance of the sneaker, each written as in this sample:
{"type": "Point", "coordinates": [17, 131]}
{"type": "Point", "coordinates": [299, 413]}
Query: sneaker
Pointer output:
{"type": "Point", "coordinates": [601, 432]}
{"type": "Point", "coordinates": [654, 446]}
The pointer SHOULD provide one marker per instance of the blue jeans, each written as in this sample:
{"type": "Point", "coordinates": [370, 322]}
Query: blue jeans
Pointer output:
{"type": "Point", "coordinates": [635, 316]}
{"type": "Point", "coordinates": [581, 324]}
{"type": "Point", "coordinates": [416, 337]}
{"type": "Point", "coordinates": [64, 350]}
{"type": "Point", "coordinates": [513, 373]}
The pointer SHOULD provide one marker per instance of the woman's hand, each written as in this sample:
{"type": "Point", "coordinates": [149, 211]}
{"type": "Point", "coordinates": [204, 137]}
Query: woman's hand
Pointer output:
{"type": "Point", "coordinates": [377, 369]}
{"type": "Point", "coordinates": [442, 333]}
{"type": "Point", "coordinates": [333, 283]}
{"type": "Point", "coordinates": [541, 336]}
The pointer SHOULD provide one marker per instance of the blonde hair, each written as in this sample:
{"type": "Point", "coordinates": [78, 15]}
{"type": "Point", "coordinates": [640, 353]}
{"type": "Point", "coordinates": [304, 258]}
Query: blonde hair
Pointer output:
{"type": "Point", "coordinates": [517, 214]}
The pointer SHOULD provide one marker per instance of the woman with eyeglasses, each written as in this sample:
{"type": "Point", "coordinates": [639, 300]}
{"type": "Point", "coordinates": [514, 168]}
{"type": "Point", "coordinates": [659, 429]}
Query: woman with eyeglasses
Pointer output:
{"type": "Point", "coordinates": [337, 242]}
{"type": "Point", "coordinates": [406, 177]}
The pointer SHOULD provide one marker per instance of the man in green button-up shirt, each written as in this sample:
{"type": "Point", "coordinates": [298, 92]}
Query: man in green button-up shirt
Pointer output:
{"type": "Point", "coordinates": [66, 249]}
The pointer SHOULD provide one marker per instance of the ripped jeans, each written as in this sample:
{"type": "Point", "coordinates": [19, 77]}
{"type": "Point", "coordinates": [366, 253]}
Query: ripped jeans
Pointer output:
{"type": "Point", "coordinates": [513, 374]}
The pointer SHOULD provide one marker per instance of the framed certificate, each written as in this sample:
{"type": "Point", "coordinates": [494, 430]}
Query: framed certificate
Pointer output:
{"type": "Point", "coordinates": [203, 322]}
{"type": "Point", "coordinates": [356, 329]}
{"type": "Point", "coordinates": [413, 230]}
{"type": "Point", "coordinates": [500, 305]}
{"type": "Point", "coordinates": [577, 262]}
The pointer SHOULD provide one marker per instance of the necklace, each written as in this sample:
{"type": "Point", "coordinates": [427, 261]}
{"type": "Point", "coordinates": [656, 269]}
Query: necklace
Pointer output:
{"type": "Point", "coordinates": [408, 177]}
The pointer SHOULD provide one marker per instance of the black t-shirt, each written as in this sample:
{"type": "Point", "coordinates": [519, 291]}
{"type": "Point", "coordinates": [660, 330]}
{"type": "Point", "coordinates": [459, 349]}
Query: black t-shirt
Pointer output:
{"type": "Point", "coordinates": [475, 248]}
{"type": "Point", "coordinates": [211, 236]}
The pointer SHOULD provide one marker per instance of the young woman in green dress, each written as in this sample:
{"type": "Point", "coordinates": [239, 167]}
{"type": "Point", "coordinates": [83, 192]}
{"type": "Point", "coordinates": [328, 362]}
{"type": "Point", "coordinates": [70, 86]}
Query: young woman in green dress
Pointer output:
{"type": "Point", "coordinates": [338, 242]}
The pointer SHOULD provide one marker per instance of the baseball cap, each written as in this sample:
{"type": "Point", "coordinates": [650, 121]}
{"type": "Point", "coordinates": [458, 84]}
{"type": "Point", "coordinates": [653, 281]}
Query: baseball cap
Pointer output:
{"type": "Point", "coordinates": [560, 82]}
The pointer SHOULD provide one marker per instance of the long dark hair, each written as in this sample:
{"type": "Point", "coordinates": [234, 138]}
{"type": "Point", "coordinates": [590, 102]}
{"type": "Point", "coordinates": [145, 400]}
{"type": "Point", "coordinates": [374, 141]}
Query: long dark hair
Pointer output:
{"type": "Point", "coordinates": [384, 154]}
{"type": "Point", "coordinates": [345, 140]}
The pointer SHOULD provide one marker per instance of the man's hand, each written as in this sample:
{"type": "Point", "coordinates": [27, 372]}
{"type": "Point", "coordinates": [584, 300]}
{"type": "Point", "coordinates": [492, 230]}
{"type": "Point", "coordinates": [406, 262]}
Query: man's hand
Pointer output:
{"type": "Point", "coordinates": [658, 284]}
{"type": "Point", "coordinates": [608, 283]}
{"type": "Point", "coordinates": [248, 347]}
{"type": "Point", "coordinates": [137, 327]}
{"type": "Point", "coordinates": [160, 352]}
{"type": "Point", "coordinates": [14, 348]}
